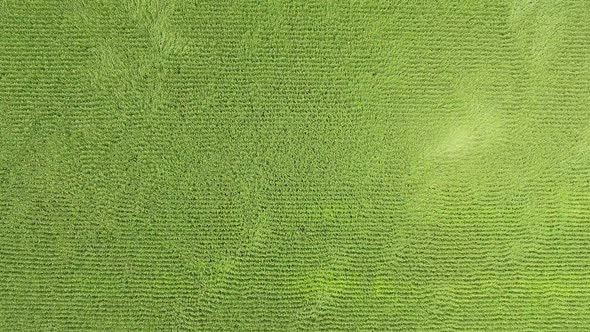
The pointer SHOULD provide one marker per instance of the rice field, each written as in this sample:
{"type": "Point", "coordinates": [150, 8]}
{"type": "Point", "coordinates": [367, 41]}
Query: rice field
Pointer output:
{"type": "Point", "coordinates": [302, 165]}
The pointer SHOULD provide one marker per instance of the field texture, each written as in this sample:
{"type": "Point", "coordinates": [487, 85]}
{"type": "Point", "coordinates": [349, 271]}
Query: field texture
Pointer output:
{"type": "Point", "coordinates": [289, 165]}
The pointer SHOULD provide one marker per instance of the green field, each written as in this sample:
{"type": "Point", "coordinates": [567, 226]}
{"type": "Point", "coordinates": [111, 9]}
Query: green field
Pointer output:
{"type": "Point", "coordinates": [291, 165]}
